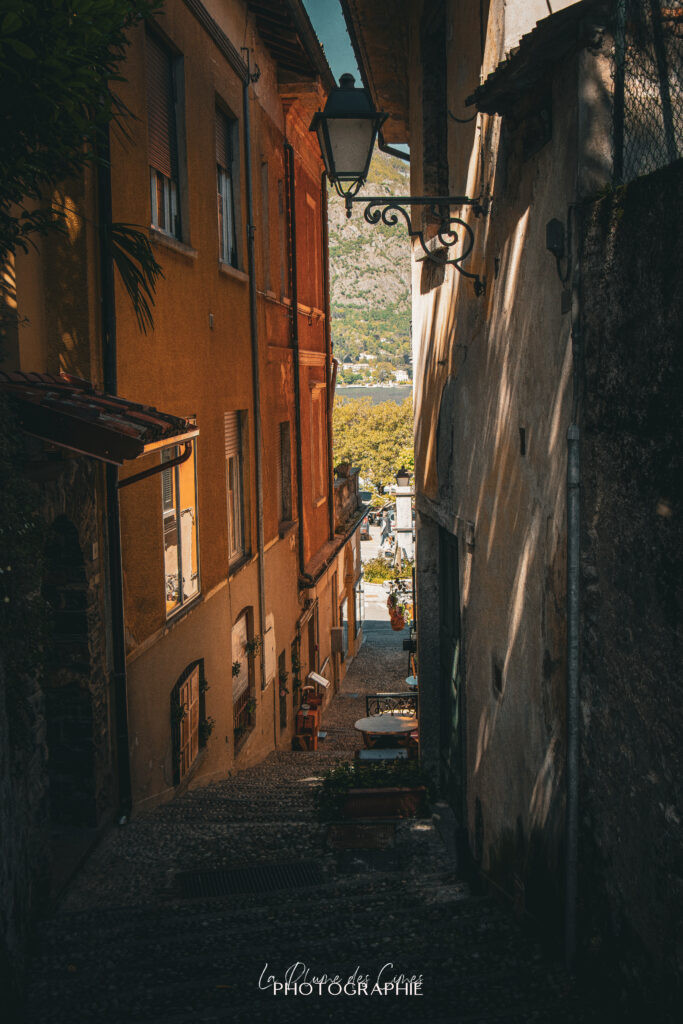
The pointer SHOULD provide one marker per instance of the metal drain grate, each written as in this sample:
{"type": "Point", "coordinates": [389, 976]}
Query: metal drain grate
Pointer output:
{"type": "Point", "coordinates": [256, 878]}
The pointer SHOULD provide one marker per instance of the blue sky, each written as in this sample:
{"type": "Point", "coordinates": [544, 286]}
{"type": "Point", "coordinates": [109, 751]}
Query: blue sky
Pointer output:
{"type": "Point", "coordinates": [328, 22]}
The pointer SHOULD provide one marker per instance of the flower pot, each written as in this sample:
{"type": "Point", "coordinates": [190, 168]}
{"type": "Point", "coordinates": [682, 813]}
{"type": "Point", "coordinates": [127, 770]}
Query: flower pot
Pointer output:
{"type": "Point", "coordinates": [397, 622]}
{"type": "Point", "coordinates": [387, 802]}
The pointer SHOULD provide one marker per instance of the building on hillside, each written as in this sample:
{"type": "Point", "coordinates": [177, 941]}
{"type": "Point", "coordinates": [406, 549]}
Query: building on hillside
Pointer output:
{"type": "Point", "coordinates": [181, 652]}
{"type": "Point", "coordinates": [537, 111]}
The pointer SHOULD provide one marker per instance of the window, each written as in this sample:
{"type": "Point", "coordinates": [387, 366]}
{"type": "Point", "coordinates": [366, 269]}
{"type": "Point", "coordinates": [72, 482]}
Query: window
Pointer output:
{"type": "Point", "coordinates": [265, 225]}
{"type": "Point", "coordinates": [314, 247]}
{"type": "Point", "coordinates": [283, 688]}
{"type": "Point", "coordinates": [189, 725]}
{"type": "Point", "coordinates": [226, 148]}
{"type": "Point", "coordinates": [359, 606]}
{"type": "Point", "coordinates": [344, 623]}
{"type": "Point", "coordinates": [234, 454]}
{"type": "Point", "coordinates": [181, 541]}
{"type": "Point", "coordinates": [318, 442]}
{"type": "Point", "coordinates": [162, 97]}
{"type": "Point", "coordinates": [243, 703]}
{"type": "Point", "coordinates": [284, 477]}
{"type": "Point", "coordinates": [282, 238]}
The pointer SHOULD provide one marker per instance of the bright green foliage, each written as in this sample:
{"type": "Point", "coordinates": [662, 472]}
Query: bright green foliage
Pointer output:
{"type": "Point", "coordinates": [377, 570]}
{"type": "Point", "coordinates": [377, 438]}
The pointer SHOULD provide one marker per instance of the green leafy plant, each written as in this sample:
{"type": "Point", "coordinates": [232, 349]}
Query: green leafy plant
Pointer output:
{"type": "Point", "coordinates": [378, 570]}
{"type": "Point", "coordinates": [349, 775]}
{"type": "Point", "coordinates": [206, 727]}
{"type": "Point", "coordinates": [253, 646]}
{"type": "Point", "coordinates": [251, 706]}
{"type": "Point", "coordinates": [236, 668]}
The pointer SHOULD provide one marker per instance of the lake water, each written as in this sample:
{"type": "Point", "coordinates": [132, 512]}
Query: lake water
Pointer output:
{"type": "Point", "coordinates": [396, 394]}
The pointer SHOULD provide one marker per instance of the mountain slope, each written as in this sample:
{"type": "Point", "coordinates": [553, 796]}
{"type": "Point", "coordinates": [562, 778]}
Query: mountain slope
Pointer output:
{"type": "Point", "coordinates": [370, 272]}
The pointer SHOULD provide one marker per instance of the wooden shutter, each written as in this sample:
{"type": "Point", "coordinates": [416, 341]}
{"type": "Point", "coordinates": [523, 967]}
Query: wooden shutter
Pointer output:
{"type": "Point", "coordinates": [240, 682]}
{"type": "Point", "coordinates": [163, 144]}
{"type": "Point", "coordinates": [223, 141]}
{"type": "Point", "coordinates": [189, 725]}
{"type": "Point", "coordinates": [232, 434]}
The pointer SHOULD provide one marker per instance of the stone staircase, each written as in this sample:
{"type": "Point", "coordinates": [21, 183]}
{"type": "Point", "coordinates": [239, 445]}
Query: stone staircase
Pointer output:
{"type": "Point", "coordinates": [126, 947]}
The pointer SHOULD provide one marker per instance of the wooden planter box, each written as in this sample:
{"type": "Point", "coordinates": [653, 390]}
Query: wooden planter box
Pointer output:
{"type": "Point", "coordinates": [388, 802]}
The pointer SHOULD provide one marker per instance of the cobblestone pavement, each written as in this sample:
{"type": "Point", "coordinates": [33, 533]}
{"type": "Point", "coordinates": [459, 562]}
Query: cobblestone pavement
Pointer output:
{"type": "Point", "coordinates": [125, 946]}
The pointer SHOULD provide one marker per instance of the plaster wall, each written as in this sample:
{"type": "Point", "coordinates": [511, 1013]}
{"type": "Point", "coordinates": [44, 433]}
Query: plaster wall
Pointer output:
{"type": "Point", "coordinates": [493, 402]}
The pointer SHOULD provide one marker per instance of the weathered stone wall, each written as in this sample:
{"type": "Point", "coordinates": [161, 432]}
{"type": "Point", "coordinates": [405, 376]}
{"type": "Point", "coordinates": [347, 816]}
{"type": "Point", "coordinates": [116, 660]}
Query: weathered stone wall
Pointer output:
{"type": "Point", "coordinates": [632, 568]}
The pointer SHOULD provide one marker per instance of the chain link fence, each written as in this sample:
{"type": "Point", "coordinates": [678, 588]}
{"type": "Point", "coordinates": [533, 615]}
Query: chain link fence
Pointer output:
{"type": "Point", "coordinates": [648, 86]}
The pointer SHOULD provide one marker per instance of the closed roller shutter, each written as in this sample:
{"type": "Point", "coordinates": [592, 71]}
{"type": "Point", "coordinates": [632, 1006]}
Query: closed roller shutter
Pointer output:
{"type": "Point", "coordinates": [163, 144]}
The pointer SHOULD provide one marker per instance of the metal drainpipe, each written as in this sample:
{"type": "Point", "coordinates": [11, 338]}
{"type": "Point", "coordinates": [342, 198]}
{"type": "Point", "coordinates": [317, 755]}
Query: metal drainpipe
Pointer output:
{"type": "Point", "coordinates": [291, 203]}
{"type": "Point", "coordinates": [253, 316]}
{"type": "Point", "coordinates": [328, 350]}
{"type": "Point", "coordinates": [104, 201]}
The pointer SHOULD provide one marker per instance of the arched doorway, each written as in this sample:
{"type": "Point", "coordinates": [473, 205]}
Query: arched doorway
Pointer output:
{"type": "Point", "coordinates": [68, 702]}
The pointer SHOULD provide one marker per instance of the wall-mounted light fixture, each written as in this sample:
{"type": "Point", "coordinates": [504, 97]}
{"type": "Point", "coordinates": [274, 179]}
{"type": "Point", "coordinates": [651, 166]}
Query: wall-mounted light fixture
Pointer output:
{"type": "Point", "coordinates": [347, 129]}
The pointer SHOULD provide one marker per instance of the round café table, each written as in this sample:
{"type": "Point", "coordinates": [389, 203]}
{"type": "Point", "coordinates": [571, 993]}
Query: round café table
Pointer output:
{"type": "Point", "coordinates": [378, 727]}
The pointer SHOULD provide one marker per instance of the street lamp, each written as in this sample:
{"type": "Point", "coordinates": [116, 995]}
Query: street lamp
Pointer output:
{"type": "Point", "coordinates": [346, 130]}
{"type": "Point", "coordinates": [402, 477]}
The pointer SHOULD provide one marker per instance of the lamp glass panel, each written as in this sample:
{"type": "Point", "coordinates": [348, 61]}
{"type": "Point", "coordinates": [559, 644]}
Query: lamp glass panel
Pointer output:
{"type": "Point", "coordinates": [322, 142]}
{"type": "Point", "coordinates": [351, 141]}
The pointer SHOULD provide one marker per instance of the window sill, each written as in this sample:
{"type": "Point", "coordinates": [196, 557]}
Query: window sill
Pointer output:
{"type": "Point", "coordinates": [285, 527]}
{"type": "Point", "coordinates": [158, 237]}
{"type": "Point", "coordinates": [180, 613]}
{"type": "Point", "coordinates": [239, 564]}
{"type": "Point", "coordinates": [230, 271]}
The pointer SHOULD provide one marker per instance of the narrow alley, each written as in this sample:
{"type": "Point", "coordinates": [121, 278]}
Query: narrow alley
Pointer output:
{"type": "Point", "coordinates": [131, 942]}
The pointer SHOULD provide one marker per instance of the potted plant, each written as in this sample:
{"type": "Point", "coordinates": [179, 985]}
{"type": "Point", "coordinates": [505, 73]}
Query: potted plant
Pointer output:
{"type": "Point", "coordinates": [396, 605]}
{"type": "Point", "coordinates": [251, 706]}
{"type": "Point", "coordinates": [236, 668]}
{"type": "Point", "coordinates": [282, 677]}
{"type": "Point", "coordinates": [205, 729]}
{"type": "Point", "coordinates": [253, 646]}
{"type": "Point", "coordinates": [383, 789]}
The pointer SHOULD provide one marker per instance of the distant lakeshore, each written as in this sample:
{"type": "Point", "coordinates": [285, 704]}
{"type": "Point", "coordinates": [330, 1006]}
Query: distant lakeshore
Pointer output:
{"type": "Point", "coordinates": [376, 393]}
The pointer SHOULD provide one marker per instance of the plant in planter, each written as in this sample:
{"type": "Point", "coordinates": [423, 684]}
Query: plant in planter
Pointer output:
{"type": "Point", "coordinates": [282, 677]}
{"type": "Point", "coordinates": [251, 706]}
{"type": "Point", "coordinates": [236, 668]}
{"type": "Point", "coordinates": [253, 646]}
{"type": "Point", "coordinates": [396, 604]}
{"type": "Point", "coordinates": [205, 729]}
{"type": "Point", "coordinates": [380, 789]}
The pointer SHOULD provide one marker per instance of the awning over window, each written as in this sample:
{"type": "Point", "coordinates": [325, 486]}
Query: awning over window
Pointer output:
{"type": "Point", "coordinates": [538, 53]}
{"type": "Point", "coordinates": [71, 413]}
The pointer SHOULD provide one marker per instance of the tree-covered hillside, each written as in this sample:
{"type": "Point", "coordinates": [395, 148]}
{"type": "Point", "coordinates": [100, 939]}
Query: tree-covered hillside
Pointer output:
{"type": "Point", "coordinates": [370, 278]}
{"type": "Point", "coordinates": [377, 438]}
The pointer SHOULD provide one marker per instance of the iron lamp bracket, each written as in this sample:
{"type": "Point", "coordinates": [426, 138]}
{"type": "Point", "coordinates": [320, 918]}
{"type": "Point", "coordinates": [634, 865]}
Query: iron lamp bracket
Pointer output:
{"type": "Point", "coordinates": [386, 210]}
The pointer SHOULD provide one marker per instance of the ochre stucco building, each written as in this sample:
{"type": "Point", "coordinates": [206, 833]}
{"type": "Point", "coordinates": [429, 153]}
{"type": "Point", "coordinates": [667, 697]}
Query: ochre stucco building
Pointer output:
{"type": "Point", "coordinates": [239, 563]}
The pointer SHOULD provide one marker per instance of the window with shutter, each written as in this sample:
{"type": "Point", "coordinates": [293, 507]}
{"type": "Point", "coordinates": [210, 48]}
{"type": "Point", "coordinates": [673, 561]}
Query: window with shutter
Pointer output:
{"type": "Point", "coordinates": [188, 712]}
{"type": "Point", "coordinates": [284, 478]}
{"type": "Point", "coordinates": [226, 134]}
{"type": "Point", "coordinates": [163, 136]}
{"type": "Point", "coordinates": [234, 456]}
{"type": "Point", "coordinates": [243, 711]}
{"type": "Point", "coordinates": [180, 526]}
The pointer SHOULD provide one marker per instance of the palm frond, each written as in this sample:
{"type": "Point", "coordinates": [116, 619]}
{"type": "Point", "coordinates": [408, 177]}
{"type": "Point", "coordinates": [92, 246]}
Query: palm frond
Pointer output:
{"type": "Point", "coordinates": [139, 270]}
